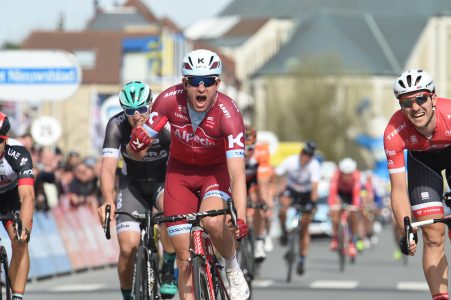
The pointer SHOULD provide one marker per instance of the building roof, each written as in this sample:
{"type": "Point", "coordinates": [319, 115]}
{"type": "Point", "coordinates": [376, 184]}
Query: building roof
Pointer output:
{"type": "Point", "coordinates": [361, 42]}
{"type": "Point", "coordinates": [133, 13]}
{"type": "Point", "coordinates": [296, 8]}
{"type": "Point", "coordinates": [225, 31]}
{"type": "Point", "coordinates": [107, 46]}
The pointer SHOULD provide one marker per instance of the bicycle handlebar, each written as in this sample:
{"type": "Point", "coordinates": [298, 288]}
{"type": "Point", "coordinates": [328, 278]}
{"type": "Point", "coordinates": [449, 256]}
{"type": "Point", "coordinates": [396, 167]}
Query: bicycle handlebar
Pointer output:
{"type": "Point", "coordinates": [15, 217]}
{"type": "Point", "coordinates": [106, 226]}
{"type": "Point", "coordinates": [445, 220]}
{"type": "Point", "coordinates": [194, 217]}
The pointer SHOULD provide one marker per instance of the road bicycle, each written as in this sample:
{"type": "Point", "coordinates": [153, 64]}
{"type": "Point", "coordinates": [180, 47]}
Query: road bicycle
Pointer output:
{"type": "Point", "coordinates": [146, 279]}
{"type": "Point", "coordinates": [408, 226]}
{"type": "Point", "coordinates": [344, 237]}
{"type": "Point", "coordinates": [293, 227]}
{"type": "Point", "coordinates": [207, 278]}
{"type": "Point", "coordinates": [246, 249]}
{"type": "Point", "coordinates": [5, 283]}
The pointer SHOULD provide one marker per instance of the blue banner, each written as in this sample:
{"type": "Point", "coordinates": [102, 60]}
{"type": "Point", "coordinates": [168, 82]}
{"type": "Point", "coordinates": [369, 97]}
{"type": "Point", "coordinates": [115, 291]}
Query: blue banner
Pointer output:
{"type": "Point", "coordinates": [27, 76]}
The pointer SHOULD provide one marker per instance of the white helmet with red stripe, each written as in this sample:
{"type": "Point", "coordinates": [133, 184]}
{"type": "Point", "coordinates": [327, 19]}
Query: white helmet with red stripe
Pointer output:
{"type": "Point", "coordinates": [201, 62]}
{"type": "Point", "coordinates": [412, 81]}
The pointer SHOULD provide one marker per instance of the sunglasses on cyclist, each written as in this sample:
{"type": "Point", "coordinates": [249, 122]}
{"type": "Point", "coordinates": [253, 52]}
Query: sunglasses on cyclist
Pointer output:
{"type": "Point", "coordinates": [141, 110]}
{"type": "Point", "coordinates": [205, 80]}
{"type": "Point", "coordinates": [408, 102]}
{"type": "Point", "coordinates": [3, 138]}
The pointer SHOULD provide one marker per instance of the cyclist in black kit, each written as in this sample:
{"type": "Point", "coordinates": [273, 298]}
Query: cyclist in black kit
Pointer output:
{"type": "Point", "coordinates": [140, 185]}
{"type": "Point", "coordinates": [16, 194]}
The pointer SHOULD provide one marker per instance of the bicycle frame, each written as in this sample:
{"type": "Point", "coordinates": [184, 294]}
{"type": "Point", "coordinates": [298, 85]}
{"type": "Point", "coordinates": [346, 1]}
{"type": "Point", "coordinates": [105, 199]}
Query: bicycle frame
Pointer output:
{"type": "Point", "coordinates": [201, 246]}
{"type": "Point", "coordinates": [147, 242]}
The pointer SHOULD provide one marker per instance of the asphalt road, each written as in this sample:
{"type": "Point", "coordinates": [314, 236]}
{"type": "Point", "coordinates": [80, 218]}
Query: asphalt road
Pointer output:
{"type": "Point", "coordinates": [375, 275]}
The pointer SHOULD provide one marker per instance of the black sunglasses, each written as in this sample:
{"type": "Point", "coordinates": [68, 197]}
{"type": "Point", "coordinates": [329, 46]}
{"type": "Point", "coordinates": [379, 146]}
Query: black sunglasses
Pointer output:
{"type": "Point", "coordinates": [141, 110]}
{"type": "Point", "coordinates": [408, 102]}
{"type": "Point", "coordinates": [205, 80]}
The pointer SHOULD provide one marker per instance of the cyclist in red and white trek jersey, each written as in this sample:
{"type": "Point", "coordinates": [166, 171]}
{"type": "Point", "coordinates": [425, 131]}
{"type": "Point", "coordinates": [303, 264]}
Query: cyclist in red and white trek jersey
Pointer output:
{"type": "Point", "coordinates": [422, 126]}
{"type": "Point", "coordinates": [345, 188]}
{"type": "Point", "coordinates": [206, 163]}
{"type": "Point", "coordinates": [16, 194]}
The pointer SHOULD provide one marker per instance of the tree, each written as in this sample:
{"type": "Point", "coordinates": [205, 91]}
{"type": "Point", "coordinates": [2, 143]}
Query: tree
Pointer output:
{"type": "Point", "coordinates": [305, 106]}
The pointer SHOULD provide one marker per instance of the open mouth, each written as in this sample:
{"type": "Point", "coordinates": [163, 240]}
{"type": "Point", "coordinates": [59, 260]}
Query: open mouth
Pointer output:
{"type": "Point", "coordinates": [201, 99]}
{"type": "Point", "coordinates": [418, 115]}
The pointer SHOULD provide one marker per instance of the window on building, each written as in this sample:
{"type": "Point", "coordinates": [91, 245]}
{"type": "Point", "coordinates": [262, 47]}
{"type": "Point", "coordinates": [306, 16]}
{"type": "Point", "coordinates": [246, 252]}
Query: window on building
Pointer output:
{"type": "Point", "coordinates": [86, 58]}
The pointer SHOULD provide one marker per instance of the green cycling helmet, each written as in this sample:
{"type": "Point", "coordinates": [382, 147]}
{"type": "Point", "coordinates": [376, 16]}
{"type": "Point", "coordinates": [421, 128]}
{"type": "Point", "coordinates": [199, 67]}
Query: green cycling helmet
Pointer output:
{"type": "Point", "coordinates": [135, 94]}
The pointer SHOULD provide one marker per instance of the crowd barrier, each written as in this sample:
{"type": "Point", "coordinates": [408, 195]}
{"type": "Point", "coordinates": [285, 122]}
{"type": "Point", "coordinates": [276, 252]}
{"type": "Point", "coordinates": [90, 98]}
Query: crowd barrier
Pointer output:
{"type": "Point", "coordinates": [67, 239]}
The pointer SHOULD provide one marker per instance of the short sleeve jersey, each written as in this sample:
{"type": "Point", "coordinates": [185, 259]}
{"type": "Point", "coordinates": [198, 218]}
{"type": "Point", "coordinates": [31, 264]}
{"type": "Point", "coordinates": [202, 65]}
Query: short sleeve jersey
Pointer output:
{"type": "Point", "coordinates": [219, 136]}
{"type": "Point", "coordinates": [258, 166]}
{"type": "Point", "coordinates": [16, 166]}
{"type": "Point", "coordinates": [153, 166]}
{"type": "Point", "coordinates": [401, 134]}
{"type": "Point", "coordinates": [299, 178]}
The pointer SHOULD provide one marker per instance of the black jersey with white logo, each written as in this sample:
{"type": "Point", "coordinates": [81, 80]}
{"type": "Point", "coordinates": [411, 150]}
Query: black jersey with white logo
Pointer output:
{"type": "Point", "coordinates": [16, 166]}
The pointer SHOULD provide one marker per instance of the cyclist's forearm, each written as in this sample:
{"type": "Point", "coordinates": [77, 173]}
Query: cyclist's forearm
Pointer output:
{"type": "Point", "coordinates": [239, 195]}
{"type": "Point", "coordinates": [107, 184]}
{"type": "Point", "coordinates": [401, 208]}
{"type": "Point", "coordinates": [26, 194]}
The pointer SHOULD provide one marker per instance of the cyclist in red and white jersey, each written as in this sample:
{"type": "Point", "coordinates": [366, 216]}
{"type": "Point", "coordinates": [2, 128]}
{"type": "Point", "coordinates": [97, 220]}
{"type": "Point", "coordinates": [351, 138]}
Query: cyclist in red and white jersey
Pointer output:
{"type": "Point", "coordinates": [16, 194]}
{"type": "Point", "coordinates": [206, 162]}
{"type": "Point", "coordinates": [422, 126]}
{"type": "Point", "coordinates": [345, 188]}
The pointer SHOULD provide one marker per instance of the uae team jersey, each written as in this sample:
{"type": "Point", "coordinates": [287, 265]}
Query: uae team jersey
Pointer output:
{"type": "Point", "coordinates": [401, 134]}
{"type": "Point", "coordinates": [16, 167]}
{"type": "Point", "coordinates": [220, 135]}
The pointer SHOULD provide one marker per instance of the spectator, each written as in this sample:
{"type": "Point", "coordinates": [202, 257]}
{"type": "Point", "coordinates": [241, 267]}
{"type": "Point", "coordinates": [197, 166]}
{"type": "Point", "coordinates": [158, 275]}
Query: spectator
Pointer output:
{"type": "Point", "coordinates": [83, 188]}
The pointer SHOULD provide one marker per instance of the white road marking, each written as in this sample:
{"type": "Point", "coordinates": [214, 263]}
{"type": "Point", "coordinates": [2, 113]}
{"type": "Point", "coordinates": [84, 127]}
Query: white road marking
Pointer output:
{"type": "Point", "coordinates": [412, 285]}
{"type": "Point", "coordinates": [261, 283]}
{"type": "Point", "coordinates": [333, 284]}
{"type": "Point", "coordinates": [78, 287]}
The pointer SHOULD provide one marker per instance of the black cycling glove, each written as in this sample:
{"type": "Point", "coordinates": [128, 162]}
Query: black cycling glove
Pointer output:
{"type": "Point", "coordinates": [403, 244]}
{"type": "Point", "coordinates": [447, 199]}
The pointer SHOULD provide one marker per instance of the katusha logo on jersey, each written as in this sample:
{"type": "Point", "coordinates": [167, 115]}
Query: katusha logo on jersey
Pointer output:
{"type": "Point", "coordinates": [187, 137]}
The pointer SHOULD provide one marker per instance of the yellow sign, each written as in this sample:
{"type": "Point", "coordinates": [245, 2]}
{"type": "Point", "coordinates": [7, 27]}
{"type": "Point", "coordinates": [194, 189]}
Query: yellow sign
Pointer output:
{"type": "Point", "coordinates": [284, 150]}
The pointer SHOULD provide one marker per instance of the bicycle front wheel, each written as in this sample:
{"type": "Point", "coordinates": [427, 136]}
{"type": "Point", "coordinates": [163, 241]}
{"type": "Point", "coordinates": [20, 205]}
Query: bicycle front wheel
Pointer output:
{"type": "Point", "coordinates": [145, 280]}
{"type": "Point", "coordinates": [200, 280]}
{"type": "Point", "coordinates": [291, 254]}
{"type": "Point", "coordinates": [246, 260]}
{"type": "Point", "coordinates": [342, 236]}
{"type": "Point", "coordinates": [5, 277]}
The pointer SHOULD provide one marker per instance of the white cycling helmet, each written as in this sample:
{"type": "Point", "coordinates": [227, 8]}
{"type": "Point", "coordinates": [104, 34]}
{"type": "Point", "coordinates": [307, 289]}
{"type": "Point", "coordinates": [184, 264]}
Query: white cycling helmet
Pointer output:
{"type": "Point", "coordinates": [412, 81]}
{"type": "Point", "coordinates": [201, 63]}
{"type": "Point", "coordinates": [347, 165]}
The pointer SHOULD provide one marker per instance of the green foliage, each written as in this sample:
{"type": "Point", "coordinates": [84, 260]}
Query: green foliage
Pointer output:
{"type": "Point", "coordinates": [311, 110]}
{"type": "Point", "coordinates": [10, 46]}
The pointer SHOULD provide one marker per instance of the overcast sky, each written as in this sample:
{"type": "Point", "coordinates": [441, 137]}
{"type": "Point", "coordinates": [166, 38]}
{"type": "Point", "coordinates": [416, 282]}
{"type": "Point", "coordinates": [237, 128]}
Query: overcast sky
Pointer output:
{"type": "Point", "coordinates": [20, 17]}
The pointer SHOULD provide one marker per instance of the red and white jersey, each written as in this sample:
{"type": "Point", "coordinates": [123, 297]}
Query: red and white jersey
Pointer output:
{"type": "Point", "coordinates": [401, 134]}
{"type": "Point", "coordinates": [220, 135]}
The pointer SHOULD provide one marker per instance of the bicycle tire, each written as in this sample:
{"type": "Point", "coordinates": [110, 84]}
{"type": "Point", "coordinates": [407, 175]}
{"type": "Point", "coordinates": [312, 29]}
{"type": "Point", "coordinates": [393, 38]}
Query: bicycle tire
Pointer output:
{"type": "Point", "coordinates": [219, 288]}
{"type": "Point", "coordinates": [145, 285]}
{"type": "Point", "coordinates": [342, 245]}
{"type": "Point", "coordinates": [246, 260]}
{"type": "Point", "coordinates": [291, 255]}
{"type": "Point", "coordinates": [5, 267]}
{"type": "Point", "coordinates": [200, 280]}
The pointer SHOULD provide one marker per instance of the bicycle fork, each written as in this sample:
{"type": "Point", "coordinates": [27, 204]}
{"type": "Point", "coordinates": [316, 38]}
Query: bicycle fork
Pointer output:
{"type": "Point", "coordinates": [202, 248]}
